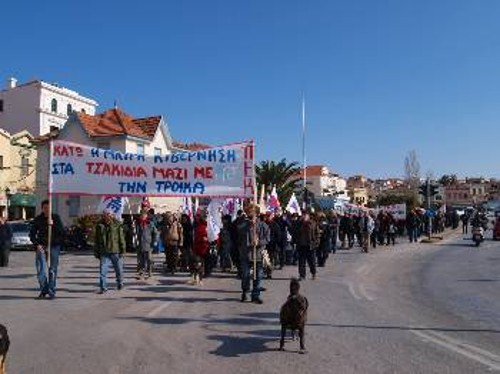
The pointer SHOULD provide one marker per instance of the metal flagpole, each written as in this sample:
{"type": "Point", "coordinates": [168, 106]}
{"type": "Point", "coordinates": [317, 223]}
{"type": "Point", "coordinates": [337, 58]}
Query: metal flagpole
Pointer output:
{"type": "Point", "coordinates": [255, 212]}
{"type": "Point", "coordinates": [49, 194]}
{"type": "Point", "coordinates": [304, 164]}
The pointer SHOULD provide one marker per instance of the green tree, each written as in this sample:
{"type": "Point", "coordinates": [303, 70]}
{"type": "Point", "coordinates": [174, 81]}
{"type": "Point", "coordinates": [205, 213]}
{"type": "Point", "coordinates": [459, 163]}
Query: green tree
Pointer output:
{"type": "Point", "coordinates": [284, 175]}
{"type": "Point", "coordinates": [448, 179]}
{"type": "Point", "coordinates": [410, 198]}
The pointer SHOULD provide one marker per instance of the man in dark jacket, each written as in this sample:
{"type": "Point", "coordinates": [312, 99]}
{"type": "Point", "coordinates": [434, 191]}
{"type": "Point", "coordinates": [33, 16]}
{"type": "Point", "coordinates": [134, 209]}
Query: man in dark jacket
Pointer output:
{"type": "Point", "coordinates": [308, 241]}
{"type": "Point", "coordinates": [109, 249]}
{"type": "Point", "coordinates": [250, 246]}
{"type": "Point", "coordinates": [5, 242]}
{"type": "Point", "coordinates": [39, 237]}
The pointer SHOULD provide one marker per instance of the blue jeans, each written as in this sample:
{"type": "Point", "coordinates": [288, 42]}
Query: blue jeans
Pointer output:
{"type": "Point", "coordinates": [115, 260]}
{"type": "Point", "coordinates": [413, 233]}
{"type": "Point", "coordinates": [47, 287]}
{"type": "Point", "coordinates": [245, 278]}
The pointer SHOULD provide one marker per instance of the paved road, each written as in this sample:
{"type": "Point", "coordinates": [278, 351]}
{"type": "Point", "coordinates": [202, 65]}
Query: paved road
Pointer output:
{"type": "Point", "coordinates": [410, 309]}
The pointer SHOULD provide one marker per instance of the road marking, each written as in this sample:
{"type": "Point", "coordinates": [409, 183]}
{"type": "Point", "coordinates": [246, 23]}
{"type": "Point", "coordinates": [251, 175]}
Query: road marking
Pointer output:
{"type": "Point", "coordinates": [364, 293]}
{"type": "Point", "coordinates": [158, 309]}
{"type": "Point", "coordinates": [467, 350]}
{"type": "Point", "coordinates": [352, 291]}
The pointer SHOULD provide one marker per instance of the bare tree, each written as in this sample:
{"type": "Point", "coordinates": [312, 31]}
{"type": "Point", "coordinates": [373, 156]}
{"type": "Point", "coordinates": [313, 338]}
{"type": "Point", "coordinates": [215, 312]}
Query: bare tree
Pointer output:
{"type": "Point", "coordinates": [412, 169]}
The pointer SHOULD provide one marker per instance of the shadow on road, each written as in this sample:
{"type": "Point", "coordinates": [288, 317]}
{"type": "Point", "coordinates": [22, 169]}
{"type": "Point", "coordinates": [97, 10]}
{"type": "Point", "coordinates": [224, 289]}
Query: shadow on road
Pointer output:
{"type": "Point", "coordinates": [403, 328]}
{"type": "Point", "coordinates": [236, 346]}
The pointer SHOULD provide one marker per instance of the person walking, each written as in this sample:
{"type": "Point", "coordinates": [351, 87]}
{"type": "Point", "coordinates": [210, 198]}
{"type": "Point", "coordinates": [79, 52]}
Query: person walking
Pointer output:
{"type": "Point", "coordinates": [412, 224]}
{"type": "Point", "coordinates": [109, 248]}
{"type": "Point", "coordinates": [172, 238]}
{"type": "Point", "coordinates": [5, 242]}
{"type": "Point", "coordinates": [39, 235]}
{"type": "Point", "coordinates": [325, 240]}
{"type": "Point", "coordinates": [308, 240]}
{"type": "Point", "coordinates": [147, 235]}
{"type": "Point", "coordinates": [187, 242]}
{"type": "Point", "coordinates": [200, 249]}
{"type": "Point", "coordinates": [465, 223]}
{"type": "Point", "coordinates": [366, 225]}
{"type": "Point", "coordinates": [253, 237]}
{"type": "Point", "coordinates": [225, 244]}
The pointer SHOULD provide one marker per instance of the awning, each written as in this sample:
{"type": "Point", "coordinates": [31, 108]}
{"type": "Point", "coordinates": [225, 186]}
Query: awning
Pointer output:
{"type": "Point", "coordinates": [25, 200]}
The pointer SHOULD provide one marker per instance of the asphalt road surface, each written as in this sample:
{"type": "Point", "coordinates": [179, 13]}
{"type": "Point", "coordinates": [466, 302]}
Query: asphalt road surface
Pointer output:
{"type": "Point", "coordinates": [413, 308]}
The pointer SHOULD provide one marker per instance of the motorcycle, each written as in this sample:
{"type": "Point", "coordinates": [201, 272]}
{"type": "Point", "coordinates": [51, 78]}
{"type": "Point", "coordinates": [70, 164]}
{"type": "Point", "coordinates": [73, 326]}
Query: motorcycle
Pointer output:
{"type": "Point", "coordinates": [477, 235]}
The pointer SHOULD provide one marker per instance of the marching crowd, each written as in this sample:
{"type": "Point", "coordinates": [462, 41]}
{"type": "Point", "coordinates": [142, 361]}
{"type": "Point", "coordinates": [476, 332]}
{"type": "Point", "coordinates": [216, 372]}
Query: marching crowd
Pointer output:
{"type": "Point", "coordinates": [262, 241]}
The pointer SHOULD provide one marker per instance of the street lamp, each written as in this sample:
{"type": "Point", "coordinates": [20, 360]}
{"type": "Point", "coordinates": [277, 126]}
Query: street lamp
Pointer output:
{"type": "Point", "coordinates": [8, 195]}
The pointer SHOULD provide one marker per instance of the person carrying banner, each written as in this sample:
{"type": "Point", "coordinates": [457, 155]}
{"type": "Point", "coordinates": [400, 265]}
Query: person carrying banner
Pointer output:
{"type": "Point", "coordinates": [172, 237]}
{"type": "Point", "coordinates": [39, 236]}
{"type": "Point", "coordinates": [253, 237]}
{"type": "Point", "coordinates": [147, 235]}
{"type": "Point", "coordinates": [187, 242]}
{"type": "Point", "coordinates": [109, 248]}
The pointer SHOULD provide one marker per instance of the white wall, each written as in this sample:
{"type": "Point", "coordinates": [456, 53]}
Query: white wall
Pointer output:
{"type": "Point", "coordinates": [28, 107]}
{"type": "Point", "coordinates": [20, 109]}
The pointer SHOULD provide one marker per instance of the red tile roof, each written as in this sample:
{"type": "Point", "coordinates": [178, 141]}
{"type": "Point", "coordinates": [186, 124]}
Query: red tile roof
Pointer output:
{"type": "Point", "coordinates": [191, 146]}
{"type": "Point", "coordinates": [313, 170]}
{"type": "Point", "coordinates": [116, 122]}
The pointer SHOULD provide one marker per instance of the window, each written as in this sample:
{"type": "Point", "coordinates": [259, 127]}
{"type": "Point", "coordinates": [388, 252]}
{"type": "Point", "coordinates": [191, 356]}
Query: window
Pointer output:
{"type": "Point", "coordinates": [103, 145]}
{"type": "Point", "coordinates": [83, 111]}
{"type": "Point", "coordinates": [1, 105]}
{"type": "Point", "coordinates": [157, 151]}
{"type": "Point", "coordinates": [24, 166]}
{"type": "Point", "coordinates": [74, 206]}
{"type": "Point", "coordinates": [53, 128]}
{"type": "Point", "coordinates": [1, 162]}
{"type": "Point", "coordinates": [140, 148]}
{"type": "Point", "coordinates": [69, 109]}
{"type": "Point", "coordinates": [53, 106]}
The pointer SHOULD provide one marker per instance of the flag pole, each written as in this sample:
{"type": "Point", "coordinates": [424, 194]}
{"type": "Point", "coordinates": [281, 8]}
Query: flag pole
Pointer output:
{"type": "Point", "coordinates": [254, 244]}
{"type": "Point", "coordinates": [49, 195]}
{"type": "Point", "coordinates": [304, 163]}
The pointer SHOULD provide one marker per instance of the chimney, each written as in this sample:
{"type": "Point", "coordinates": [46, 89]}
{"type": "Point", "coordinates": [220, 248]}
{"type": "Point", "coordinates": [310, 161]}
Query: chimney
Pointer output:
{"type": "Point", "coordinates": [11, 82]}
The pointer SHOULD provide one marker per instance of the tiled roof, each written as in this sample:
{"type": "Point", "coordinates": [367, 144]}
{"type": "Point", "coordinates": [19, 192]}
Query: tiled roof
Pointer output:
{"type": "Point", "coordinates": [116, 122]}
{"type": "Point", "coordinates": [191, 146]}
{"type": "Point", "coordinates": [313, 170]}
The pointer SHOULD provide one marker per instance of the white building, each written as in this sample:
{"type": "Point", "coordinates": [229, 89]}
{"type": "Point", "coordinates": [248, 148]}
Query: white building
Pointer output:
{"type": "Point", "coordinates": [321, 182]}
{"type": "Point", "coordinates": [112, 129]}
{"type": "Point", "coordinates": [39, 107]}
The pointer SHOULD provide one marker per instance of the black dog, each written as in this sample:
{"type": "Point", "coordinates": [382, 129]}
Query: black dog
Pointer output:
{"type": "Point", "coordinates": [293, 315]}
{"type": "Point", "coordinates": [4, 347]}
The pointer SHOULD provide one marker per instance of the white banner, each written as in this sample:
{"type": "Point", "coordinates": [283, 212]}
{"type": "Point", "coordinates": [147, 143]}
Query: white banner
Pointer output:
{"type": "Point", "coordinates": [115, 204]}
{"type": "Point", "coordinates": [226, 171]}
{"type": "Point", "coordinates": [398, 211]}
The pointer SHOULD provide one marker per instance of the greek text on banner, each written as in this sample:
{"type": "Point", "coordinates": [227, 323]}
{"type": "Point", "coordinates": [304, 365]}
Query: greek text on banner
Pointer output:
{"type": "Point", "coordinates": [225, 171]}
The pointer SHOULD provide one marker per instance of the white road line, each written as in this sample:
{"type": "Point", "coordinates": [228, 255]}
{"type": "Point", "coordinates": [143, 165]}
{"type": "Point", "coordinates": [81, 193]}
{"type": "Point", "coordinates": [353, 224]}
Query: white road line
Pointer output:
{"type": "Point", "coordinates": [482, 356]}
{"type": "Point", "coordinates": [352, 291]}
{"type": "Point", "coordinates": [158, 309]}
{"type": "Point", "coordinates": [364, 293]}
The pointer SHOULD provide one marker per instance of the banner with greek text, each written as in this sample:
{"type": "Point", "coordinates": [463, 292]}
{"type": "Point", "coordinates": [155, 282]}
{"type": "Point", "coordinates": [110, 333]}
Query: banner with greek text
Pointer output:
{"type": "Point", "coordinates": [225, 171]}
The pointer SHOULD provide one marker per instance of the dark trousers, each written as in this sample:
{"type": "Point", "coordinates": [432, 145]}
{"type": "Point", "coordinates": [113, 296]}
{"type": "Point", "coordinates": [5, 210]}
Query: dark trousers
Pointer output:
{"type": "Point", "coordinates": [373, 239]}
{"type": "Point", "coordinates": [465, 228]}
{"type": "Point", "coordinates": [306, 254]}
{"type": "Point", "coordinates": [172, 257]}
{"type": "Point", "coordinates": [391, 238]}
{"type": "Point", "coordinates": [4, 257]}
{"type": "Point", "coordinates": [144, 262]}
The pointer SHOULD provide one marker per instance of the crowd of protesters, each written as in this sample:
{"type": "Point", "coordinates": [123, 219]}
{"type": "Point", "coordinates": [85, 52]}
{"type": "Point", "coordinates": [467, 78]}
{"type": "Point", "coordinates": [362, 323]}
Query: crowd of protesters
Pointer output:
{"type": "Point", "coordinates": [252, 245]}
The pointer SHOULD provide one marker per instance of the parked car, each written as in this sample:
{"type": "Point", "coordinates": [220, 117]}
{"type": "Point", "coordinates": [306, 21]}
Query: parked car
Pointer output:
{"type": "Point", "coordinates": [20, 235]}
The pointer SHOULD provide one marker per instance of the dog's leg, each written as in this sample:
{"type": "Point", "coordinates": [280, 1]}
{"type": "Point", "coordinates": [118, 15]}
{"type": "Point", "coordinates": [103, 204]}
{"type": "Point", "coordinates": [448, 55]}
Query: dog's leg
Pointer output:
{"type": "Point", "coordinates": [302, 340]}
{"type": "Point", "coordinates": [282, 341]}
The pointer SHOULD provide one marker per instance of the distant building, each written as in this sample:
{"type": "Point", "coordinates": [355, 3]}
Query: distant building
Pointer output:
{"type": "Point", "coordinates": [39, 107]}
{"type": "Point", "coordinates": [17, 175]}
{"type": "Point", "coordinates": [112, 129]}
{"type": "Point", "coordinates": [360, 196]}
{"type": "Point", "coordinates": [323, 183]}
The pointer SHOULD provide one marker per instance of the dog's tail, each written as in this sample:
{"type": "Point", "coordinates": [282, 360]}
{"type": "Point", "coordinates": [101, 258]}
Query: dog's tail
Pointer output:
{"type": "Point", "coordinates": [4, 345]}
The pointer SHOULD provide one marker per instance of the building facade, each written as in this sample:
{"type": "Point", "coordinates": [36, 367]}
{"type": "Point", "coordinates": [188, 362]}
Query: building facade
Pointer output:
{"type": "Point", "coordinates": [323, 183]}
{"type": "Point", "coordinates": [39, 107]}
{"type": "Point", "coordinates": [17, 175]}
{"type": "Point", "coordinates": [113, 129]}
